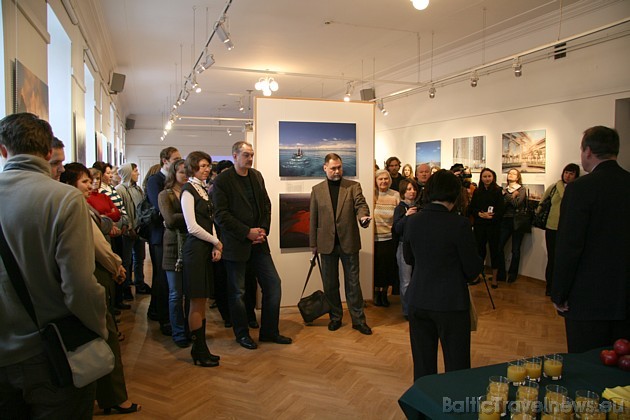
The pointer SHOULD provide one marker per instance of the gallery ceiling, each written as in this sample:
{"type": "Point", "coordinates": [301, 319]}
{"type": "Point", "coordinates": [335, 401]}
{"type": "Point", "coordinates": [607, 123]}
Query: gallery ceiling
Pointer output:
{"type": "Point", "coordinates": [312, 49]}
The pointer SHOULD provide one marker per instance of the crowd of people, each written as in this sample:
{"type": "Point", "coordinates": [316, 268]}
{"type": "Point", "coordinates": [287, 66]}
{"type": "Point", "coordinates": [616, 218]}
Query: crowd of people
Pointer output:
{"type": "Point", "coordinates": [207, 238]}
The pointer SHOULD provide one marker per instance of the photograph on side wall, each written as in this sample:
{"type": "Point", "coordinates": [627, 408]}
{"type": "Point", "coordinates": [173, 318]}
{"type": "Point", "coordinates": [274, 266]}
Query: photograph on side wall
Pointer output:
{"type": "Point", "coordinates": [303, 146]}
{"type": "Point", "coordinates": [294, 220]}
{"type": "Point", "coordinates": [429, 152]}
{"type": "Point", "coordinates": [31, 93]}
{"type": "Point", "coordinates": [470, 152]}
{"type": "Point", "coordinates": [525, 151]}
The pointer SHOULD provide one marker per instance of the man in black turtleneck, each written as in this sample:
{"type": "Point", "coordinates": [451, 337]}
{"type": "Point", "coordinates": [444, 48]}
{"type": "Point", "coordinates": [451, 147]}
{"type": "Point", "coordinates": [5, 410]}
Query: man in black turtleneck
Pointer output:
{"type": "Point", "coordinates": [337, 205]}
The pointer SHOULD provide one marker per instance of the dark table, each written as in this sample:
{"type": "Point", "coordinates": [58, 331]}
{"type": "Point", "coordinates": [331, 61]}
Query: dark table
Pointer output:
{"type": "Point", "coordinates": [429, 394]}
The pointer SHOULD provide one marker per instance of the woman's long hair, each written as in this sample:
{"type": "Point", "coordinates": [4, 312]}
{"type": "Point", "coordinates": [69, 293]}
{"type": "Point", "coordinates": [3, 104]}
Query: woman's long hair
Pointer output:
{"type": "Point", "coordinates": [494, 185]}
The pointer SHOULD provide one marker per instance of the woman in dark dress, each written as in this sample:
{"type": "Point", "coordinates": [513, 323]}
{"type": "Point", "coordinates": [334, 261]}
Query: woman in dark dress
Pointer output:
{"type": "Point", "coordinates": [441, 246]}
{"type": "Point", "coordinates": [486, 207]}
{"type": "Point", "coordinates": [200, 249]}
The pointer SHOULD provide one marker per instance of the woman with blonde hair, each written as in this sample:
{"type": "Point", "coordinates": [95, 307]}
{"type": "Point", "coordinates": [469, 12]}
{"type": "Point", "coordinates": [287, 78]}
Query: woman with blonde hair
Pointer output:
{"type": "Point", "coordinates": [385, 202]}
{"type": "Point", "coordinates": [407, 171]}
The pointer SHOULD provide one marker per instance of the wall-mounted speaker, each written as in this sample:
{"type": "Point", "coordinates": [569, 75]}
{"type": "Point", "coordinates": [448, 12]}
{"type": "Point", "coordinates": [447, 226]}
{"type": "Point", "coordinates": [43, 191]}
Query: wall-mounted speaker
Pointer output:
{"type": "Point", "coordinates": [117, 84]}
{"type": "Point", "coordinates": [130, 124]}
{"type": "Point", "coordinates": [368, 94]}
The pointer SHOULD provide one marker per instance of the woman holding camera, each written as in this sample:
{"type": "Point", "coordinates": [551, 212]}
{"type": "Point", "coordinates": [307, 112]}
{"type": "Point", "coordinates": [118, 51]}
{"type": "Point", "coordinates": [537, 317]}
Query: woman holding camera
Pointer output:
{"type": "Point", "coordinates": [486, 207]}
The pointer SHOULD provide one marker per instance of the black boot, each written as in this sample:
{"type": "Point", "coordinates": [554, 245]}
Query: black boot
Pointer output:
{"type": "Point", "coordinates": [378, 301]}
{"type": "Point", "coordinates": [199, 351]}
{"type": "Point", "coordinates": [384, 299]}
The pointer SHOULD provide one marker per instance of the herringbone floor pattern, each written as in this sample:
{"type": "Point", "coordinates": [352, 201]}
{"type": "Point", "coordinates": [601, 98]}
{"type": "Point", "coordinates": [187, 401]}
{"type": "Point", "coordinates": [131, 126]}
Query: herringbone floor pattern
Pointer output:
{"type": "Point", "coordinates": [323, 374]}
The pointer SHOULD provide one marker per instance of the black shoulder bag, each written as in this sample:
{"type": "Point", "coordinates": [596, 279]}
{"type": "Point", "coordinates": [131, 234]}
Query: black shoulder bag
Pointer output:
{"type": "Point", "coordinates": [317, 304]}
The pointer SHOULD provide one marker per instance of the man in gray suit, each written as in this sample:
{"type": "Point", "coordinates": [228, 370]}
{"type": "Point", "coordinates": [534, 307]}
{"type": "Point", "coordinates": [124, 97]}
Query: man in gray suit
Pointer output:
{"type": "Point", "coordinates": [336, 206]}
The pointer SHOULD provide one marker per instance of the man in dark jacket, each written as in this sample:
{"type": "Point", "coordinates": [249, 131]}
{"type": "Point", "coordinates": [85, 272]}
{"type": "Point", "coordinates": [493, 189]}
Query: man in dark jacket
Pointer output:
{"type": "Point", "coordinates": [243, 214]}
{"type": "Point", "coordinates": [158, 310]}
{"type": "Point", "coordinates": [591, 278]}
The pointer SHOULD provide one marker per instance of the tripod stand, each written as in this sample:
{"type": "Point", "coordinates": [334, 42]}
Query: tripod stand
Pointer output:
{"type": "Point", "coordinates": [485, 281]}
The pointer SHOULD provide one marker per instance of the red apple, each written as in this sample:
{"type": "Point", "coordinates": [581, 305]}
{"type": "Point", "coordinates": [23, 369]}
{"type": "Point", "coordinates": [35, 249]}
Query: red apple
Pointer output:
{"type": "Point", "coordinates": [608, 357]}
{"type": "Point", "coordinates": [624, 363]}
{"type": "Point", "coordinates": [622, 347]}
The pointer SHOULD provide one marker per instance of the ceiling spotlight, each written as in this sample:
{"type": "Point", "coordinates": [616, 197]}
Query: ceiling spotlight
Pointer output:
{"type": "Point", "coordinates": [381, 107]}
{"type": "Point", "coordinates": [266, 85]}
{"type": "Point", "coordinates": [183, 96]}
{"type": "Point", "coordinates": [432, 92]}
{"type": "Point", "coordinates": [518, 68]}
{"type": "Point", "coordinates": [240, 105]}
{"type": "Point", "coordinates": [205, 64]}
{"type": "Point", "coordinates": [191, 84]}
{"type": "Point", "coordinates": [474, 79]}
{"type": "Point", "coordinates": [349, 90]}
{"type": "Point", "coordinates": [420, 4]}
{"type": "Point", "coordinates": [169, 125]}
{"type": "Point", "coordinates": [223, 34]}
{"type": "Point", "coordinates": [229, 132]}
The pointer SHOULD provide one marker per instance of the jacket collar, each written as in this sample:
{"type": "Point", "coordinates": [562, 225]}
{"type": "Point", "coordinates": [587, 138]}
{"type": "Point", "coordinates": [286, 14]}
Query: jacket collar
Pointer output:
{"type": "Point", "coordinates": [26, 162]}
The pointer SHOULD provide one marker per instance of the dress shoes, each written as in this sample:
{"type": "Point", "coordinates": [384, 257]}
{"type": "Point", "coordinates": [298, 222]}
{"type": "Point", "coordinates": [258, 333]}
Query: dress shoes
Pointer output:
{"type": "Point", "coordinates": [363, 329]}
{"type": "Point", "coordinates": [278, 339]}
{"type": "Point", "coordinates": [247, 342]}
{"type": "Point", "coordinates": [334, 325]}
{"type": "Point", "coordinates": [253, 324]}
{"type": "Point", "coordinates": [182, 344]}
{"type": "Point", "coordinates": [152, 315]}
{"type": "Point", "coordinates": [511, 278]}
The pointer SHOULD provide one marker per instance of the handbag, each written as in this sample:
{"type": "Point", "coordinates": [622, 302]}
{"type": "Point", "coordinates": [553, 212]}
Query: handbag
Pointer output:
{"type": "Point", "coordinates": [523, 216]}
{"type": "Point", "coordinates": [76, 355]}
{"type": "Point", "coordinates": [542, 213]}
{"type": "Point", "coordinates": [315, 305]}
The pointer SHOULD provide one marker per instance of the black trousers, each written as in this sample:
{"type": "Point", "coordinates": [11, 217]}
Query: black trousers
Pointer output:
{"type": "Point", "coordinates": [451, 328]}
{"type": "Point", "coordinates": [587, 335]}
{"type": "Point", "coordinates": [550, 242]}
{"type": "Point", "coordinates": [159, 286]}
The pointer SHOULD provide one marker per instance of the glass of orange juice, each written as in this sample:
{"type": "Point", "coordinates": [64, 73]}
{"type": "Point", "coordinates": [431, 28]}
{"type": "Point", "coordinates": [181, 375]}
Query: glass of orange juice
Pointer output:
{"type": "Point", "coordinates": [527, 391]}
{"type": "Point", "coordinates": [553, 367]}
{"type": "Point", "coordinates": [533, 365]}
{"type": "Point", "coordinates": [516, 372]}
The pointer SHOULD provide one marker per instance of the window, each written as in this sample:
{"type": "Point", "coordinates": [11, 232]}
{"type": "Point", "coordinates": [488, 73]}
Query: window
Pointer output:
{"type": "Point", "coordinates": [60, 84]}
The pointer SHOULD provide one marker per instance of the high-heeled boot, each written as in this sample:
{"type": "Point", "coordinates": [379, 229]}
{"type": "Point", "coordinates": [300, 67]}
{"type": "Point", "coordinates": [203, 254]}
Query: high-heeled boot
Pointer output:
{"type": "Point", "coordinates": [199, 351]}
{"type": "Point", "coordinates": [378, 301]}
{"type": "Point", "coordinates": [384, 299]}
{"type": "Point", "coordinates": [213, 357]}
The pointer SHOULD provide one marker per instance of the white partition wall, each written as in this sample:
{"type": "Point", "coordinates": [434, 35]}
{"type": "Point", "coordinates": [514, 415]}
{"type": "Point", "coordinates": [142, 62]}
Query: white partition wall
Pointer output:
{"type": "Point", "coordinates": [293, 263]}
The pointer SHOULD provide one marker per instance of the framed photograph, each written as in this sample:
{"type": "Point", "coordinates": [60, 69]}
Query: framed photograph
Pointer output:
{"type": "Point", "coordinates": [470, 152]}
{"type": "Point", "coordinates": [294, 220]}
{"type": "Point", "coordinates": [525, 151]}
{"type": "Point", "coordinates": [429, 152]}
{"type": "Point", "coordinates": [303, 146]}
{"type": "Point", "coordinates": [31, 94]}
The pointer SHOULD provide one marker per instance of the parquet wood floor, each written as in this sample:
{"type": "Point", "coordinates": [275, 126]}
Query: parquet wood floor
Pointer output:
{"type": "Point", "coordinates": [323, 374]}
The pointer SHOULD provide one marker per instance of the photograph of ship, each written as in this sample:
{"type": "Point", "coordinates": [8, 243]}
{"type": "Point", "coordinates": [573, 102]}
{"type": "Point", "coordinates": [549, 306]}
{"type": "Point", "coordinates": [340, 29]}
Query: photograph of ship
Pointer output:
{"type": "Point", "coordinates": [429, 152]}
{"type": "Point", "coordinates": [303, 146]}
{"type": "Point", "coordinates": [294, 220]}
{"type": "Point", "coordinates": [470, 152]}
{"type": "Point", "coordinates": [525, 151]}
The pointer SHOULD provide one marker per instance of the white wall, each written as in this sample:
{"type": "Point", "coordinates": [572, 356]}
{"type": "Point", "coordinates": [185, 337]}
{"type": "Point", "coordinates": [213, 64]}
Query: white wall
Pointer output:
{"type": "Point", "coordinates": [564, 97]}
{"type": "Point", "coordinates": [292, 264]}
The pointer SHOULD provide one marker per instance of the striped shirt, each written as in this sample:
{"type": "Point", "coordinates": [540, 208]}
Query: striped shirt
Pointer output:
{"type": "Point", "coordinates": [384, 207]}
{"type": "Point", "coordinates": [109, 191]}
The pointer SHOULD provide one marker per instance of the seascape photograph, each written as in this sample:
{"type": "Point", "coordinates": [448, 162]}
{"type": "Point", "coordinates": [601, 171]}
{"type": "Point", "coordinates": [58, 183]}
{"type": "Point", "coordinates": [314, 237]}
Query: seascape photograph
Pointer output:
{"type": "Point", "coordinates": [303, 146]}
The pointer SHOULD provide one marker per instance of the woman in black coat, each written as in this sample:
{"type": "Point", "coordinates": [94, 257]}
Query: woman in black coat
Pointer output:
{"type": "Point", "coordinates": [442, 247]}
{"type": "Point", "coordinates": [486, 207]}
